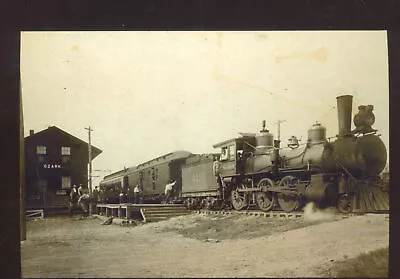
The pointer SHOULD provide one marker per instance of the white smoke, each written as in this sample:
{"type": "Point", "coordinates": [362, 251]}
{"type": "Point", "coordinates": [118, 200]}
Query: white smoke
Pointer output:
{"type": "Point", "coordinates": [312, 213]}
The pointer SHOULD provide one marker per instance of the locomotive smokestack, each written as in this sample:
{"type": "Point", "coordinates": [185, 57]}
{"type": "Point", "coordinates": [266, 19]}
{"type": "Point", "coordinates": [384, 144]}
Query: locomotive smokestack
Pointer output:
{"type": "Point", "coordinates": [344, 107]}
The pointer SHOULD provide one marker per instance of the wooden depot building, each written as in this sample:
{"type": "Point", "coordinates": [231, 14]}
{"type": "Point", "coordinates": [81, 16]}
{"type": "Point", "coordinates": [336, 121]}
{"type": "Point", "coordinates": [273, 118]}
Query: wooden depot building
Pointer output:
{"type": "Point", "coordinates": [54, 161]}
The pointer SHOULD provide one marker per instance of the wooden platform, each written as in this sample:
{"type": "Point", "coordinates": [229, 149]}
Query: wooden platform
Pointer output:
{"type": "Point", "coordinates": [145, 212]}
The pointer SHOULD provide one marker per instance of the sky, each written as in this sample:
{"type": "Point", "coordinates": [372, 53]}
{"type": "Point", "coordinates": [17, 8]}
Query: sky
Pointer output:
{"type": "Point", "coordinates": [149, 93]}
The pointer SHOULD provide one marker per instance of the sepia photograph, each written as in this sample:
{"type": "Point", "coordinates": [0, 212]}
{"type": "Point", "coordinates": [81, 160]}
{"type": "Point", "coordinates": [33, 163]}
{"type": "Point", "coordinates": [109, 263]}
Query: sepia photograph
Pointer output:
{"type": "Point", "coordinates": [152, 154]}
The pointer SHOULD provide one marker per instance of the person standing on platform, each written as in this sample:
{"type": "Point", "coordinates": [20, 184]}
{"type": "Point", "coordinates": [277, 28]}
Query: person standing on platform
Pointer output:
{"type": "Point", "coordinates": [136, 194]}
{"type": "Point", "coordinates": [95, 198]}
{"type": "Point", "coordinates": [96, 194]}
{"type": "Point", "coordinates": [168, 190]}
{"type": "Point", "coordinates": [102, 196]}
{"type": "Point", "coordinates": [141, 194]}
{"type": "Point", "coordinates": [121, 196]}
{"type": "Point", "coordinates": [131, 195]}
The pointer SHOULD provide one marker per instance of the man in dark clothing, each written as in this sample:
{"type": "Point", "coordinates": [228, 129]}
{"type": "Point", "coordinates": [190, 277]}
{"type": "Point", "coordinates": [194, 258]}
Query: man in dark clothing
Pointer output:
{"type": "Point", "coordinates": [121, 197]}
{"type": "Point", "coordinates": [73, 199]}
{"type": "Point", "coordinates": [95, 198]}
{"type": "Point", "coordinates": [96, 194]}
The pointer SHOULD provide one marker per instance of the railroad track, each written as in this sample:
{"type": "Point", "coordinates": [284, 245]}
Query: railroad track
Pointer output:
{"type": "Point", "coordinates": [270, 214]}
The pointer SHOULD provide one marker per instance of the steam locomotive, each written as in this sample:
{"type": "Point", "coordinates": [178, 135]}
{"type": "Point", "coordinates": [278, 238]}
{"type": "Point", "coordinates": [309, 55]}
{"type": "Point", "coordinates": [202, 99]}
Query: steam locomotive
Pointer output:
{"type": "Point", "coordinates": [254, 170]}
{"type": "Point", "coordinates": [342, 171]}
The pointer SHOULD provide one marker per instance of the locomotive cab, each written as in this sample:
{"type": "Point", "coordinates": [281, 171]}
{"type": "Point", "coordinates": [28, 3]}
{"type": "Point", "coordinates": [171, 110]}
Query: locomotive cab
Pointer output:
{"type": "Point", "coordinates": [234, 153]}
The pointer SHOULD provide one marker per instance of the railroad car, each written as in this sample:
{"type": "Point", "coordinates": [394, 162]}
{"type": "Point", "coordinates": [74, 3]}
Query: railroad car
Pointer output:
{"type": "Point", "coordinates": [152, 176]}
{"type": "Point", "coordinates": [112, 185]}
{"type": "Point", "coordinates": [199, 184]}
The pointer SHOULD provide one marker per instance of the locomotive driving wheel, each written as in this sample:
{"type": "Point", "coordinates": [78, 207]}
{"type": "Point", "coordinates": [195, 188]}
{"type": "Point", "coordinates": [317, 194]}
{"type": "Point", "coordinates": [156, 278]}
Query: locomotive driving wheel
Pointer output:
{"type": "Point", "coordinates": [288, 202]}
{"type": "Point", "coordinates": [265, 200]}
{"type": "Point", "coordinates": [239, 199]}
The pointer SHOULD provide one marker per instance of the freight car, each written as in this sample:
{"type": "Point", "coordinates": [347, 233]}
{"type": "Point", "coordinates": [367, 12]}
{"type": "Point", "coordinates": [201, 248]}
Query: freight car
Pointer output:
{"type": "Point", "coordinates": [341, 171]}
{"type": "Point", "coordinates": [152, 176]}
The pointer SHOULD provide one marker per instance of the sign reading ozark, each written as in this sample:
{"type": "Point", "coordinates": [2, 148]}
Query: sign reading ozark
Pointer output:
{"type": "Point", "coordinates": [52, 166]}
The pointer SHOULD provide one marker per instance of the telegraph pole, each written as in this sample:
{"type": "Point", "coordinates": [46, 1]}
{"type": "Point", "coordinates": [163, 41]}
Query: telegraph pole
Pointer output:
{"type": "Point", "coordinates": [90, 168]}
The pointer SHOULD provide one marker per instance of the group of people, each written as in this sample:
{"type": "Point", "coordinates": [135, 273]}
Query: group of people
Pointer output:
{"type": "Point", "coordinates": [135, 196]}
{"type": "Point", "coordinates": [78, 197]}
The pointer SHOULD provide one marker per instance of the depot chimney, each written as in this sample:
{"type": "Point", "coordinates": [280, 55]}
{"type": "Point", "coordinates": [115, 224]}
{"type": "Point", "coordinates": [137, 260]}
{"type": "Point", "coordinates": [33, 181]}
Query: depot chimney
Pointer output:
{"type": "Point", "coordinates": [31, 132]}
{"type": "Point", "coordinates": [344, 107]}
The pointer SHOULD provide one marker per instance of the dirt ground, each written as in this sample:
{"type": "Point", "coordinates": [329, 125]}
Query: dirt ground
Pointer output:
{"type": "Point", "coordinates": [199, 246]}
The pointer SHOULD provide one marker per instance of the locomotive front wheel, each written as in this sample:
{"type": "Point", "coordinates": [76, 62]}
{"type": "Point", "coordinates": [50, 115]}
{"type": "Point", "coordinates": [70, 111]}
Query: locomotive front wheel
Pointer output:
{"type": "Point", "coordinates": [265, 200]}
{"type": "Point", "coordinates": [344, 204]}
{"type": "Point", "coordinates": [288, 203]}
{"type": "Point", "coordinates": [238, 199]}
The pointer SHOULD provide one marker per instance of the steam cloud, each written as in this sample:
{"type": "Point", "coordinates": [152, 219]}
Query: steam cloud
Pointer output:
{"type": "Point", "coordinates": [312, 213]}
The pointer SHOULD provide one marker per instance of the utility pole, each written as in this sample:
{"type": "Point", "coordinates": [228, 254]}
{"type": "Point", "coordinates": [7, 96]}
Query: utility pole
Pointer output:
{"type": "Point", "coordinates": [90, 169]}
{"type": "Point", "coordinates": [279, 127]}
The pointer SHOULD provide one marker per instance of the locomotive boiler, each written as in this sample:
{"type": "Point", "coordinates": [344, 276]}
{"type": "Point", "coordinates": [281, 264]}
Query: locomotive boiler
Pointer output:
{"type": "Point", "coordinates": [341, 171]}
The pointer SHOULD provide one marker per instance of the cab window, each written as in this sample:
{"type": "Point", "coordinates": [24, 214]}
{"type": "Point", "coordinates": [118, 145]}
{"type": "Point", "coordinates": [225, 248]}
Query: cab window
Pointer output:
{"type": "Point", "coordinates": [224, 153]}
{"type": "Point", "coordinates": [232, 152]}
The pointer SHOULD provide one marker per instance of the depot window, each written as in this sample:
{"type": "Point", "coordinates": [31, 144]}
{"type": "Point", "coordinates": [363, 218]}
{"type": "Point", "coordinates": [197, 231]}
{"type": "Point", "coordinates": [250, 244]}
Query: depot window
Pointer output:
{"type": "Point", "coordinates": [41, 150]}
{"type": "Point", "coordinates": [65, 182]}
{"type": "Point", "coordinates": [65, 150]}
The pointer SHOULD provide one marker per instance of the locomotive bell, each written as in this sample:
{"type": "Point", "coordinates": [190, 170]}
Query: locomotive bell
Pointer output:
{"type": "Point", "coordinates": [317, 133]}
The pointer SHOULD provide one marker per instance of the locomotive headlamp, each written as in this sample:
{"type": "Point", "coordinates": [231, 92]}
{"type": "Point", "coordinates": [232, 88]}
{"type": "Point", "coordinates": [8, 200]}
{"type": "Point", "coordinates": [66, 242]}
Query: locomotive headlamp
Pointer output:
{"type": "Point", "coordinates": [364, 119]}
